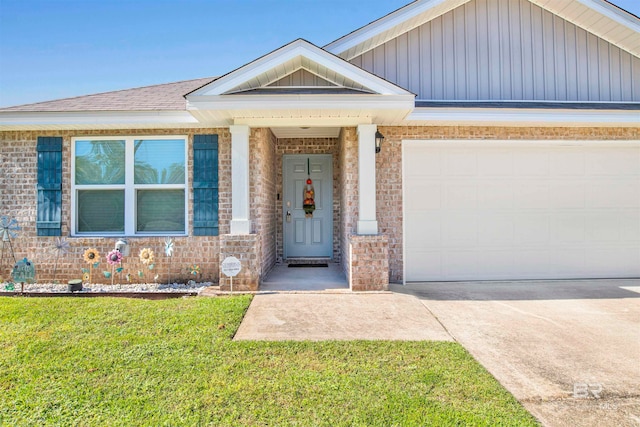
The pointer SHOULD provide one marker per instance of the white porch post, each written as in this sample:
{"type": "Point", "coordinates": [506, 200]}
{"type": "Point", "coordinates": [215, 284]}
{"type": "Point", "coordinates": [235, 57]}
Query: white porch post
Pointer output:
{"type": "Point", "coordinates": [240, 223]}
{"type": "Point", "coordinates": [367, 223]}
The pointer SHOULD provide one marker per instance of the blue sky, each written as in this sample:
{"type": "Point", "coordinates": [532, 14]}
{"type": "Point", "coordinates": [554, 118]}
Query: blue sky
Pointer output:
{"type": "Point", "coordinates": [53, 49]}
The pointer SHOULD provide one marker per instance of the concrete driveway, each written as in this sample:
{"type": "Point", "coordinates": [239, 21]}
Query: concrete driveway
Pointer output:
{"type": "Point", "coordinates": [568, 350]}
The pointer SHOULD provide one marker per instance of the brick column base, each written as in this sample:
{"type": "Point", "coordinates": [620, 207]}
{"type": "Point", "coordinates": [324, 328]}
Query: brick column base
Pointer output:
{"type": "Point", "coordinates": [368, 268]}
{"type": "Point", "coordinates": [245, 247]}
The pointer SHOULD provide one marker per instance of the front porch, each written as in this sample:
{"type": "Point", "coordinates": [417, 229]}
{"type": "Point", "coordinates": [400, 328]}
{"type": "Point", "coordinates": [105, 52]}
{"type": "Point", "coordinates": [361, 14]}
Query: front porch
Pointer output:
{"type": "Point", "coordinates": [357, 255]}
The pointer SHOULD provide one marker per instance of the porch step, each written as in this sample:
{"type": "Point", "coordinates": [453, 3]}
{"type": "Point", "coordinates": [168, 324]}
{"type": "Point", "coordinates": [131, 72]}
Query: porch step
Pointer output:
{"type": "Point", "coordinates": [308, 261]}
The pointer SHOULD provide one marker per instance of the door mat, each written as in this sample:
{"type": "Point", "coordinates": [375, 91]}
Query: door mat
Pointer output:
{"type": "Point", "coordinates": [307, 265]}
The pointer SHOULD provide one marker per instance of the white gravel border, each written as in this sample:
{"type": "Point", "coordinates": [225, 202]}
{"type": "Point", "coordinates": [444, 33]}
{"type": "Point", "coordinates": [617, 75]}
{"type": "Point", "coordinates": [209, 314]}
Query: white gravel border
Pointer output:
{"type": "Point", "coordinates": [190, 286]}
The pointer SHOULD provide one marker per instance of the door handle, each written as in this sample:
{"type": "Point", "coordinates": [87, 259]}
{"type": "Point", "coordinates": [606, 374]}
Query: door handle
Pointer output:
{"type": "Point", "coordinates": [288, 216]}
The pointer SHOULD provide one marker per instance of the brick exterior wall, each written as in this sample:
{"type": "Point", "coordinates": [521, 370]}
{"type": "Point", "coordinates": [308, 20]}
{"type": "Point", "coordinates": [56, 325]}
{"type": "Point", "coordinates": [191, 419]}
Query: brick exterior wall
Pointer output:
{"type": "Point", "coordinates": [18, 184]}
{"type": "Point", "coordinates": [368, 269]}
{"type": "Point", "coordinates": [248, 249]}
{"type": "Point", "coordinates": [262, 182]}
{"type": "Point", "coordinates": [348, 155]}
{"type": "Point", "coordinates": [389, 166]}
{"type": "Point", "coordinates": [311, 146]}
{"type": "Point", "coordinates": [18, 176]}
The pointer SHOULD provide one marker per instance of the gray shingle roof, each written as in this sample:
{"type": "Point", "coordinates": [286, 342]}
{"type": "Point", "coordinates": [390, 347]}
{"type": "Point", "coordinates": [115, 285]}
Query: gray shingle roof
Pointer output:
{"type": "Point", "coordinates": [162, 97]}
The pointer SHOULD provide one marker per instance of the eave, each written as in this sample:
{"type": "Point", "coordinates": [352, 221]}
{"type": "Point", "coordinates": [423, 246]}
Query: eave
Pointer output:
{"type": "Point", "coordinates": [500, 116]}
{"type": "Point", "coordinates": [10, 121]}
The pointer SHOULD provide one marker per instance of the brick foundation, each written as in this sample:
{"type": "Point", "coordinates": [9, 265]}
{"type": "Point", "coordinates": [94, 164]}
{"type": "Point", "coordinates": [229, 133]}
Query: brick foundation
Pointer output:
{"type": "Point", "coordinates": [248, 249]}
{"type": "Point", "coordinates": [368, 268]}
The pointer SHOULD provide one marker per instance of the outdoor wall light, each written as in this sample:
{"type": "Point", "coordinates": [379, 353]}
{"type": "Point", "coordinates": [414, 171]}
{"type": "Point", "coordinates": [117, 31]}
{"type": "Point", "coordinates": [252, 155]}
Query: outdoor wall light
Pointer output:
{"type": "Point", "coordinates": [123, 246]}
{"type": "Point", "coordinates": [379, 139]}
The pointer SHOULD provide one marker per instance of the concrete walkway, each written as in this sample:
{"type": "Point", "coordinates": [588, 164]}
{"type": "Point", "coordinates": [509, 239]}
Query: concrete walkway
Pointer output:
{"type": "Point", "coordinates": [568, 350]}
{"type": "Point", "coordinates": [347, 316]}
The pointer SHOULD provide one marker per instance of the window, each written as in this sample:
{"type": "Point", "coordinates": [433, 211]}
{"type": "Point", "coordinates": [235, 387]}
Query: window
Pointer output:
{"type": "Point", "coordinates": [129, 185]}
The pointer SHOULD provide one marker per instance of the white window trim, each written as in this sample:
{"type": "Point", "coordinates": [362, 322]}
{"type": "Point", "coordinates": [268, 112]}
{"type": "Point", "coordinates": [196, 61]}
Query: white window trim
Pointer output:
{"type": "Point", "coordinates": [130, 211]}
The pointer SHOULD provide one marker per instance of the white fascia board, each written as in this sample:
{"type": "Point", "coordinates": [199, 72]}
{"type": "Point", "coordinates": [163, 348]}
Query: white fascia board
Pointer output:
{"type": "Point", "coordinates": [386, 23]}
{"type": "Point", "coordinates": [297, 102]}
{"type": "Point", "coordinates": [506, 116]}
{"type": "Point", "coordinates": [613, 13]}
{"type": "Point", "coordinates": [303, 49]}
{"type": "Point", "coordinates": [97, 118]}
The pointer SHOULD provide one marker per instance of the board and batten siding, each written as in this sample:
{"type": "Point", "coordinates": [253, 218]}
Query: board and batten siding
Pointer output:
{"type": "Point", "coordinates": [505, 50]}
{"type": "Point", "coordinates": [301, 77]}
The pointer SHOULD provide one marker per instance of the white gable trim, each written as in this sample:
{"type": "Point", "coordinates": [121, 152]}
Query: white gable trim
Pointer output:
{"type": "Point", "coordinates": [609, 23]}
{"type": "Point", "coordinates": [297, 49]}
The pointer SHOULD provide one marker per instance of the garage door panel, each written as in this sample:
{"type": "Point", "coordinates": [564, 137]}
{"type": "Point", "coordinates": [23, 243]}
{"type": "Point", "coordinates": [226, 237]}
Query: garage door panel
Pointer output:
{"type": "Point", "coordinates": [532, 229]}
{"type": "Point", "coordinates": [620, 162]}
{"type": "Point", "coordinates": [531, 162]}
{"type": "Point", "coordinates": [424, 162]}
{"type": "Point", "coordinates": [495, 162]}
{"type": "Point", "coordinates": [425, 196]}
{"type": "Point", "coordinates": [568, 228]}
{"type": "Point", "coordinates": [496, 264]}
{"type": "Point", "coordinates": [460, 162]}
{"type": "Point", "coordinates": [530, 194]}
{"type": "Point", "coordinates": [460, 196]}
{"type": "Point", "coordinates": [419, 261]}
{"type": "Point", "coordinates": [614, 193]}
{"type": "Point", "coordinates": [522, 212]}
{"type": "Point", "coordinates": [567, 161]}
{"type": "Point", "coordinates": [460, 229]}
{"type": "Point", "coordinates": [497, 229]}
{"type": "Point", "coordinates": [495, 195]}
{"type": "Point", "coordinates": [460, 264]}
{"type": "Point", "coordinates": [426, 232]}
{"type": "Point", "coordinates": [567, 194]}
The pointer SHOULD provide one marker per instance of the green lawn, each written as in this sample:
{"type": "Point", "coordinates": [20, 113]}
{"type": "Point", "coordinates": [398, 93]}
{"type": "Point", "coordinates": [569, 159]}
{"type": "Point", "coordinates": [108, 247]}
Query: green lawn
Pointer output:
{"type": "Point", "coordinates": [101, 361]}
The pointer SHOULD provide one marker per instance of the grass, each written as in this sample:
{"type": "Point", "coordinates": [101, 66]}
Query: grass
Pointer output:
{"type": "Point", "coordinates": [125, 362]}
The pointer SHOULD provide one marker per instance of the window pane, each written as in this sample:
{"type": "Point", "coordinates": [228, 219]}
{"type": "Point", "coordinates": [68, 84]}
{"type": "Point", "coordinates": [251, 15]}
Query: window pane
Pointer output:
{"type": "Point", "coordinates": [100, 162]}
{"type": "Point", "coordinates": [160, 210]}
{"type": "Point", "coordinates": [159, 161]}
{"type": "Point", "coordinates": [100, 211]}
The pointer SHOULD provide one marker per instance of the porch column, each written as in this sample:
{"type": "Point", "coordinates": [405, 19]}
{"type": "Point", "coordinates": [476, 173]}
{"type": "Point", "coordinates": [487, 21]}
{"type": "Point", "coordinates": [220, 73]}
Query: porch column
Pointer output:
{"type": "Point", "coordinates": [240, 223]}
{"type": "Point", "coordinates": [367, 223]}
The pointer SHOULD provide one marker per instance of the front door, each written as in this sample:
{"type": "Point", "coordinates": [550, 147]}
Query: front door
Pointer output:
{"type": "Point", "coordinates": [308, 234]}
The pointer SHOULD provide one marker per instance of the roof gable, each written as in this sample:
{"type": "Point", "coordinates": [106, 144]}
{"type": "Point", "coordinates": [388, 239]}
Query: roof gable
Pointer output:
{"type": "Point", "coordinates": [596, 16]}
{"type": "Point", "coordinates": [289, 59]}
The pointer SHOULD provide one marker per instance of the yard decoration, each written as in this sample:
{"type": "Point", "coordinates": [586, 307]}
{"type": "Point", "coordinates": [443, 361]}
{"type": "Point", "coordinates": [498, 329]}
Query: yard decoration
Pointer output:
{"type": "Point", "coordinates": [114, 258]}
{"type": "Point", "coordinates": [147, 257]}
{"type": "Point", "coordinates": [61, 247]}
{"type": "Point", "coordinates": [23, 271]}
{"type": "Point", "coordinates": [91, 256]}
{"type": "Point", "coordinates": [194, 269]}
{"type": "Point", "coordinates": [8, 230]}
{"type": "Point", "coordinates": [168, 251]}
{"type": "Point", "coordinates": [309, 204]}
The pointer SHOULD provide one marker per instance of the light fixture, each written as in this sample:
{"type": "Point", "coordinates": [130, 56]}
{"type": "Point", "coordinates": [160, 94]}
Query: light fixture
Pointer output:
{"type": "Point", "coordinates": [379, 139]}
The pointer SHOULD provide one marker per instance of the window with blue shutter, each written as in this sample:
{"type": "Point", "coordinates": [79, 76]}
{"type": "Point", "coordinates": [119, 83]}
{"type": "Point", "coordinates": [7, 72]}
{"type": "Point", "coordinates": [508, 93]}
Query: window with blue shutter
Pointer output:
{"type": "Point", "coordinates": [49, 216]}
{"type": "Point", "coordinates": [205, 185]}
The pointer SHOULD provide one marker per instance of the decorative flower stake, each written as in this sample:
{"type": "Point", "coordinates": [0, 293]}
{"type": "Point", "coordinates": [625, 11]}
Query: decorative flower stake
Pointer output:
{"type": "Point", "coordinates": [62, 248]}
{"type": "Point", "coordinates": [168, 251]}
{"type": "Point", "coordinates": [147, 257]}
{"type": "Point", "coordinates": [8, 230]}
{"type": "Point", "coordinates": [114, 258]}
{"type": "Point", "coordinates": [92, 257]}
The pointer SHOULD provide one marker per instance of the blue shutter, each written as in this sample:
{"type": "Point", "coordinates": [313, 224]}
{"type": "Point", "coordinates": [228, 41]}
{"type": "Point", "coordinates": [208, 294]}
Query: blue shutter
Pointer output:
{"type": "Point", "coordinates": [205, 185]}
{"type": "Point", "coordinates": [49, 186]}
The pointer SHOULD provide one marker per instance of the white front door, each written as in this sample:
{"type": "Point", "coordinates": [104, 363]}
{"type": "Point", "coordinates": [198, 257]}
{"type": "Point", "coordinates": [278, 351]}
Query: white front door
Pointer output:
{"type": "Point", "coordinates": [308, 235]}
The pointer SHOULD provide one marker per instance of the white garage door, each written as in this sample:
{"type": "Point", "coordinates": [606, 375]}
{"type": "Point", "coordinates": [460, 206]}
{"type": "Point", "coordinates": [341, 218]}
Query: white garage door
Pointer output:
{"type": "Point", "coordinates": [518, 210]}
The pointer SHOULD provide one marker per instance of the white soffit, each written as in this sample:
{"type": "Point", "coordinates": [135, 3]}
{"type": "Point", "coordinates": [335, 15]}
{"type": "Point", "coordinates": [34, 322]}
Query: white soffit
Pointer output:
{"type": "Point", "coordinates": [306, 132]}
{"type": "Point", "coordinates": [596, 16]}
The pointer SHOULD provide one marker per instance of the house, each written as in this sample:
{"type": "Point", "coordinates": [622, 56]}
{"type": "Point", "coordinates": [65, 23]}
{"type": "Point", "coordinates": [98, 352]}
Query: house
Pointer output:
{"type": "Point", "coordinates": [511, 150]}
